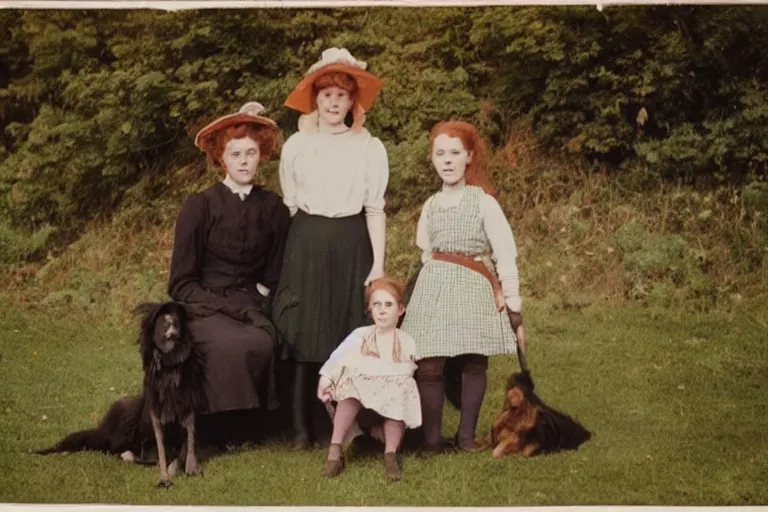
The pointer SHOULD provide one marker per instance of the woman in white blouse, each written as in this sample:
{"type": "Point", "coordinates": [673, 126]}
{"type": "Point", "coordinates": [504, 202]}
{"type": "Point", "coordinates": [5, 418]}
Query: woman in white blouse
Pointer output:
{"type": "Point", "coordinates": [333, 178]}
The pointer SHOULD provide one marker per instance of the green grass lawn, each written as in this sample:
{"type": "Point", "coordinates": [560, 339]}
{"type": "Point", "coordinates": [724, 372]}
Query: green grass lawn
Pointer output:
{"type": "Point", "coordinates": [678, 406]}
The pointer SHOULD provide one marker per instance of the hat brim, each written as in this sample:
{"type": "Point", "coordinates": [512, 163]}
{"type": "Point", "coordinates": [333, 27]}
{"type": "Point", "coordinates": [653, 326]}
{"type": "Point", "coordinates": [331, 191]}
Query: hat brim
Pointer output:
{"type": "Point", "coordinates": [368, 86]}
{"type": "Point", "coordinates": [204, 136]}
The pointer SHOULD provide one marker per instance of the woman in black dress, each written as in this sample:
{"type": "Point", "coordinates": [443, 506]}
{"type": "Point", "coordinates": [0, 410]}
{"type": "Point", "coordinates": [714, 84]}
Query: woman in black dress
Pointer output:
{"type": "Point", "coordinates": [227, 256]}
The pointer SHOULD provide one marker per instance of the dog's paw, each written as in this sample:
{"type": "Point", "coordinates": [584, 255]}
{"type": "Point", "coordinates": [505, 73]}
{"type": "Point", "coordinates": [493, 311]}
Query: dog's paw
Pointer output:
{"type": "Point", "coordinates": [530, 450]}
{"type": "Point", "coordinates": [164, 484]}
{"type": "Point", "coordinates": [500, 451]}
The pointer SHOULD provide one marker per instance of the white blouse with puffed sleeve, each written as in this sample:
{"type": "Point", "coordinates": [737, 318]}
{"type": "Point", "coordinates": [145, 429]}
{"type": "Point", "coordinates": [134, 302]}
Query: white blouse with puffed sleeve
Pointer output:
{"type": "Point", "coordinates": [334, 175]}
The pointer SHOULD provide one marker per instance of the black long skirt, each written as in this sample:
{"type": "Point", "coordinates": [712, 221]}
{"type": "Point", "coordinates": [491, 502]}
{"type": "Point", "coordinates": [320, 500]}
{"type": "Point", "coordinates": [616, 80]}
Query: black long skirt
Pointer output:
{"type": "Point", "coordinates": [321, 298]}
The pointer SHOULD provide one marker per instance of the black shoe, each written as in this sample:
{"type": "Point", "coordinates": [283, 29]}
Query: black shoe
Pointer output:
{"type": "Point", "coordinates": [445, 446]}
{"type": "Point", "coordinates": [301, 442]}
{"type": "Point", "coordinates": [474, 447]}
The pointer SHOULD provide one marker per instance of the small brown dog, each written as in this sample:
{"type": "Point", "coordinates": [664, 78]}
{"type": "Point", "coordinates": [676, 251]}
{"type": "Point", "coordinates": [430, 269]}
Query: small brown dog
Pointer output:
{"type": "Point", "coordinates": [527, 426]}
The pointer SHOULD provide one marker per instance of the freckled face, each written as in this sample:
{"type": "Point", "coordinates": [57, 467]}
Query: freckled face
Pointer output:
{"type": "Point", "coordinates": [333, 104]}
{"type": "Point", "coordinates": [385, 309]}
{"type": "Point", "coordinates": [450, 158]}
{"type": "Point", "coordinates": [241, 159]}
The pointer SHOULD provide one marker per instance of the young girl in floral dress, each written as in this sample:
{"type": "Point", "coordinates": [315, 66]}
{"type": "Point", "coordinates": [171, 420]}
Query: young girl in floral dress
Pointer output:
{"type": "Point", "coordinates": [373, 368]}
{"type": "Point", "coordinates": [466, 301]}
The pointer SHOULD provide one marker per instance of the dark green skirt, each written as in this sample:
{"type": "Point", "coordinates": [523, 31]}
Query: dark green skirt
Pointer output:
{"type": "Point", "coordinates": [321, 298]}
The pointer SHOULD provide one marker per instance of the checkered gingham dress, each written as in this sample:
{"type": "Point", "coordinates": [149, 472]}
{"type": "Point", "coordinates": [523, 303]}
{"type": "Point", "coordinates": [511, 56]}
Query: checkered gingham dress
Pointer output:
{"type": "Point", "coordinates": [452, 309]}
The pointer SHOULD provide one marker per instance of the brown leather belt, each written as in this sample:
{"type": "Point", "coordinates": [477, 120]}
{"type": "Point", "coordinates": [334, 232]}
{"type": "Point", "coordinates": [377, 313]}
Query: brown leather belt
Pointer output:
{"type": "Point", "coordinates": [480, 268]}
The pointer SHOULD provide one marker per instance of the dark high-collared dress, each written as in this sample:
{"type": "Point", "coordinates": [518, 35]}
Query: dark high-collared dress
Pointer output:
{"type": "Point", "coordinates": [224, 246]}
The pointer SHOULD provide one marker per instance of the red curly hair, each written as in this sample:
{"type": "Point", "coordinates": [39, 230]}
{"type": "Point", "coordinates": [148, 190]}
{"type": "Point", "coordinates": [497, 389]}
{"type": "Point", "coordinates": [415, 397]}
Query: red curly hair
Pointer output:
{"type": "Point", "coordinates": [474, 143]}
{"type": "Point", "coordinates": [264, 137]}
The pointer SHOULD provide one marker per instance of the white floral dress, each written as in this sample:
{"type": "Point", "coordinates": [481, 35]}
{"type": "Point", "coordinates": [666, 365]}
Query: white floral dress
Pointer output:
{"type": "Point", "coordinates": [377, 373]}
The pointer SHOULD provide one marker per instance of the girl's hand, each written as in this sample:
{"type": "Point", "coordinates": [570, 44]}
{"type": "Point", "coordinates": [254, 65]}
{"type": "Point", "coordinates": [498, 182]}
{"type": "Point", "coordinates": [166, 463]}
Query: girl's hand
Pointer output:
{"type": "Point", "coordinates": [376, 272]}
{"type": "Point", "coordinates": [516, 321]}
{"type": "Point", "coordinates": [324, 389]}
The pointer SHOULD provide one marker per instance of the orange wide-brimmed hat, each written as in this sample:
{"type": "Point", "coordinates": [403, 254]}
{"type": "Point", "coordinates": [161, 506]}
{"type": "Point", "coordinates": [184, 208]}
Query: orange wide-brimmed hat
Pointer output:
{"type": "Point", "coordinates": [341, 61]}
{"type": "Point", "coordinates": [249, 113]}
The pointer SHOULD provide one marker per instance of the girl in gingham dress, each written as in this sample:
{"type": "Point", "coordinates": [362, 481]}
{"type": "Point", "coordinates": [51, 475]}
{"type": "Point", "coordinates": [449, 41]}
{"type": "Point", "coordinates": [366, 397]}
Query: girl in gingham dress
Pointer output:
{"type": "Point", "coordinates": [466, 301]}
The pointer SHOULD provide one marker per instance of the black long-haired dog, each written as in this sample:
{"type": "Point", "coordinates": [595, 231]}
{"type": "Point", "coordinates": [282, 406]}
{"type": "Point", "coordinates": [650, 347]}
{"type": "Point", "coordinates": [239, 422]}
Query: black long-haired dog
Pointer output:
{"type": "Point", "coordinates": [124, 430]}
{"type": "Point", "coordinates": [172, 394]}
{"type": "Point", "coordinates": [173, 379]}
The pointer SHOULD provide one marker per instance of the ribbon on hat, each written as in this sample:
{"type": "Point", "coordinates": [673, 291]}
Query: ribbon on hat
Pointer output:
{"type": "Point", "coordinates": [337, 56]}
{"type": "Point", "coordinates": [253, 108]}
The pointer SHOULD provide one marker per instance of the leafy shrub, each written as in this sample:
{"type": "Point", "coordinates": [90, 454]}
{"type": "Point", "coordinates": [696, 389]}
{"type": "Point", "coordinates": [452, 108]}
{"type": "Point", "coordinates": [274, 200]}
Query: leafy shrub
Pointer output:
{"type": "Point", "coordinates": [661, 269]}
{"type": "Point", "coordinates": [16, 246]}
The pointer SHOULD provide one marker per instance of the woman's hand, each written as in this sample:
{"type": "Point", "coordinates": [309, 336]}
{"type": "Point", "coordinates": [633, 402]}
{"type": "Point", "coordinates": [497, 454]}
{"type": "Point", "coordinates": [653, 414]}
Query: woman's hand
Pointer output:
{"type": "Point", "coordinates": [324, 389]}
{"type": "Point", "coordinates": [376, 272]}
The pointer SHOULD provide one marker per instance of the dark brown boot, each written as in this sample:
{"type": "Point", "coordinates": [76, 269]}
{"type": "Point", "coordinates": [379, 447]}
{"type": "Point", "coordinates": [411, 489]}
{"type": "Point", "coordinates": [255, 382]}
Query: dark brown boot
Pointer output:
{"type": "Point", "coordinates": [392, 467]}
{"type": "Point", "coordinates": [333, 468]}
{"type": "Point", "coordinates": [334, 464]}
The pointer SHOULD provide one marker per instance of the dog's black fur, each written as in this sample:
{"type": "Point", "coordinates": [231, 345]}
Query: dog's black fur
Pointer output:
{"type": "Point", "coordinates": [554, 431]}
{"type": "Point", "coordinates": [126, 427]}
{"type": "Point", "coordinates": [172, 394]}
{"type": "Point", "coordinates": [174, 373]}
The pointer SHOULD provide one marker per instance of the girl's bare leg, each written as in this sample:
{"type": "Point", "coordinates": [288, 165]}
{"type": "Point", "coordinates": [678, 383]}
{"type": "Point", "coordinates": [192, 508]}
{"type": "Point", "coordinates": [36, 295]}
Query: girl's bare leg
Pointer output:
{"type": "Point", "coordinates": [346, 412]}
{"type": "Point", "coordinates": [393, 434]}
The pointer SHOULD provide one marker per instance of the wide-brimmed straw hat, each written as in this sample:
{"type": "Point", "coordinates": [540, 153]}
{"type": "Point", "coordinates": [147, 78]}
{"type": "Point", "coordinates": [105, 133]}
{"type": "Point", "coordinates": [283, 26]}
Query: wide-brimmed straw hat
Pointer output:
{"type": "Point", "coordinates": [249, 113]}
{"type": "Point", "coordinates": [341, 61]}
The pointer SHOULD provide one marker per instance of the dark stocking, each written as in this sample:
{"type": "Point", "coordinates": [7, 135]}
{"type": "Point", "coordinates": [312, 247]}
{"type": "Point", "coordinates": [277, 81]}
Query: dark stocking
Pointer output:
{"type": "Point", "coordinates": [473, 384]}
{"type": "Point", "coordinates": [430, 383]}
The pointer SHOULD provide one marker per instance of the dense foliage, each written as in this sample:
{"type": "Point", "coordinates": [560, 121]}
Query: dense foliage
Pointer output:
{"type": "Point", "coordinates": [93, 101]}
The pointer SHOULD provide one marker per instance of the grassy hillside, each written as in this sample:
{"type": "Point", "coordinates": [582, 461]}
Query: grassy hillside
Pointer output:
{"type": "Point", "coordinates": [645, 310]}
{"type": "Point", "coordinates": [583, 236]}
